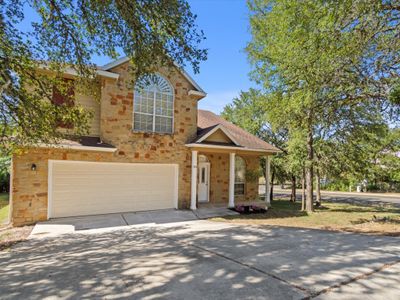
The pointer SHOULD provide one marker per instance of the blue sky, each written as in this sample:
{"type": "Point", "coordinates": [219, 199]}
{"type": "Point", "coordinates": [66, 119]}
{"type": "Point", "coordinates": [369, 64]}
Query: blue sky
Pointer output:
{"type": "Point", "coordinates": [225, 73]}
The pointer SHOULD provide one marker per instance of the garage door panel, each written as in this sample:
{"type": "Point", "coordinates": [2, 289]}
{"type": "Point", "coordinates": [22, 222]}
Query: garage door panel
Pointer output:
{"type": "Point", "coordinates": [94, 179]}
{"type": "Point", "coordinates": [94, 188]}
{"type": "Point", "coordinates": [73, 178]}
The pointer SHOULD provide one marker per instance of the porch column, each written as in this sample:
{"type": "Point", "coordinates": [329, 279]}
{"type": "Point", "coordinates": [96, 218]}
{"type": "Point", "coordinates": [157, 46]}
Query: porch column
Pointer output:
{"type": "Point", "coordinates": [267, 180]}
{"type": "Point", "coordinates": [231, 179]}
{"type": "Point", "coordinates": [193, 195]}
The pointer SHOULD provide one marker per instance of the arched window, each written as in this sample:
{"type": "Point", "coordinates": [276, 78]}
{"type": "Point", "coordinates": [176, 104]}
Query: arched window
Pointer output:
{"type": "Point", "coordinates": [240, 175]}
{"type": "Point", "coordinates": [153, 109]}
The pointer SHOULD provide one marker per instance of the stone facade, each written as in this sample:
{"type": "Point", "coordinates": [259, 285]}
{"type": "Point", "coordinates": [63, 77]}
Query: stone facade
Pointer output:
{"type": "Point", "coordinates": [116, 126]}
{"type": "Point", "coordinates": [219, 178]}
{"type": "Point", "coordinates": [29, 188]}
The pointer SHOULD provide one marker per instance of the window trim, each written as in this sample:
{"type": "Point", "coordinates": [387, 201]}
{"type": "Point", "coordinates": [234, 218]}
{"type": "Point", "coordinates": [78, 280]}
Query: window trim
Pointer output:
{"type": "Point", "coordinates": [154, 115]}
{"type": "Point", "coordinates": [244, 180]}
{"type": "Point", "coordinates": [244, 188]}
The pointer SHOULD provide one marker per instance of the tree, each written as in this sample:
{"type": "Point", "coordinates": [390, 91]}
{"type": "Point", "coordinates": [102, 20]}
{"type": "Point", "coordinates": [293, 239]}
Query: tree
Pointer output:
{"type": "Point", "coordinates": [67, 34]}
{"type": "Point", "coordinates": [250, 113]}
{"type": "Point", "coordinates": [5, 163]}
{"type": "Point", "coordinates": [333, 63]}
{"type": "Point", "coordinates": [381, 150]}
{"type": "Point", "coordinates": [388, 159]}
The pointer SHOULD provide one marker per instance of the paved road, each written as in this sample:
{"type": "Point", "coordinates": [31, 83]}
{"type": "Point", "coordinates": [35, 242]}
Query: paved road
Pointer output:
{"type": "Point", "coordinates": [349, 197]}
{"type": "Point", "coordinates": [203, 260]}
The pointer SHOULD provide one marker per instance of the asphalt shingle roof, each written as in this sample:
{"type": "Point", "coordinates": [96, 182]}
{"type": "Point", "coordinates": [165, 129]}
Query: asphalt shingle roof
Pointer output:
{"type": "Point", "coordinates": [206, 121]}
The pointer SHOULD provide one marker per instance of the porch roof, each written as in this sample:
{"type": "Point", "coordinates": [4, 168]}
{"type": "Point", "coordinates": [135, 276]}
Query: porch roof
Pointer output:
{"type": "Point", "coordinates": [88, 143]}
{"type": "Point", "coordinates": [209, 123]}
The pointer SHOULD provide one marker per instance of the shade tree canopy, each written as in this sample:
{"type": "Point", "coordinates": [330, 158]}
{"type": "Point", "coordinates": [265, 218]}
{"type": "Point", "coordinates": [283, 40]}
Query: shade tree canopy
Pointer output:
{"type": "Point", "coordinates": [332, 67]}
{"type": "Point", "coordinates": [67, 34]}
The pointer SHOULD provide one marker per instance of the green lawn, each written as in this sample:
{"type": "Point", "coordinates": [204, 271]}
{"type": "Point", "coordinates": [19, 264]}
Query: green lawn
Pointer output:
{"type": "Point", "coordinates": [4, 207]}
{"type": "Point", "coordinates": [331, 216]}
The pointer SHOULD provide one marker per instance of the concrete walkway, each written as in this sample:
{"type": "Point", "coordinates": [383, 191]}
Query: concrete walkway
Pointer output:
{"type": "Point", "coordinates": [203, 260]}
{"type": "Point", "coordinates": [101, 223]}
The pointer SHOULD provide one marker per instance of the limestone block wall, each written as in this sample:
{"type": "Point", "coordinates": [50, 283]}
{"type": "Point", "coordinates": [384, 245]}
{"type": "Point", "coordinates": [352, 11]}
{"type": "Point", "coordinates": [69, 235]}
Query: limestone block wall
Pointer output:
{"type": "Point", "coordinates": [219, 178]}
{"type": "Point", "coordinates": [29, 188]}
{"type": "Point", "coordinates": [117, 119]}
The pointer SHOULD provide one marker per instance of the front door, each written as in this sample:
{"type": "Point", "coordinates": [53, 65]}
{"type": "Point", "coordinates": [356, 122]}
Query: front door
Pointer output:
{"type": "Point", "coordinates": [204, 181]}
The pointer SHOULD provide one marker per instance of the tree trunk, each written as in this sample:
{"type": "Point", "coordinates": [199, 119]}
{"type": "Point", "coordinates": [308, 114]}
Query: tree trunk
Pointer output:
{"type": "Point", "coordinates": [309, 189]}
{"type": "Point", "coordinates": [303, 190]}
{"type": "Point", "coordinates": [272, 185]}
{"type": "Point", "coordinates": [318, 188]}
{"type": "Point", "coordinates": [293, 194]}
{"type": "Point", "coordinates": [309, 166]}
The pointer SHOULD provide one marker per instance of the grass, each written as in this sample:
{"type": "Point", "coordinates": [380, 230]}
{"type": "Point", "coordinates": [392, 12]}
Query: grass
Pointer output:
{"type": "Point", "coordinates": [330, 216]}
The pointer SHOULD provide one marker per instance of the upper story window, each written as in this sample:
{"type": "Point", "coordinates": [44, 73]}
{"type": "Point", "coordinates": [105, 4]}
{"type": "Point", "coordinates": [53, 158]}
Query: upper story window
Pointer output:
{"type": "Point", "coordinates": [240, 175]}
{"type": "Point", "coordinates": [64, 94]}
{"type": "Point", "coordinates": [153, 109]}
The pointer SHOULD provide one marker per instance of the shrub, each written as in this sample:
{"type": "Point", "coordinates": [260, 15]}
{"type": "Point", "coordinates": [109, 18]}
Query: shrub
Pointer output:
{"type": "Point", "coordinates": [5, 163]}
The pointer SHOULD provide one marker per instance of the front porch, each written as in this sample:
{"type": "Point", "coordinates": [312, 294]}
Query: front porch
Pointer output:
{"type": "Point", "coordinates": [226, 178]}
{"type": "Point", "coordinates": [226, 165]}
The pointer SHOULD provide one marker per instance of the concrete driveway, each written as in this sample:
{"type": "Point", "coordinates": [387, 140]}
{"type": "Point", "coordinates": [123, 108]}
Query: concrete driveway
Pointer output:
{"type": "Point", "coordinates": [101, 223]}
{"type": "Point", "coordinates": [203, 260]}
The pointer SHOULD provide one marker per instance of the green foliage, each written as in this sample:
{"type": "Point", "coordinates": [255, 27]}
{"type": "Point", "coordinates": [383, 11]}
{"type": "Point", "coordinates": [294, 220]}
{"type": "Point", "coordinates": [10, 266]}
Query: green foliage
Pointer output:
{"type": "Point", "coordinates": [253, 175]}
{"type": "Point", "coordinates": [395, 95]}
{"type": "Point", "coordinates": [4, 208]}
{"type": "Point", "coordinates": [329, 73]}
{"type": "Point", "coordinates": [325, 61]}
{"type": "Point", "coordinates": [250, 113]}
{"type": "Point", "coordinates": [66, 35]}
{"type": "Point", "coordinates": [5, 163]}
{"type": "Point", "coordinates": [340, 185]}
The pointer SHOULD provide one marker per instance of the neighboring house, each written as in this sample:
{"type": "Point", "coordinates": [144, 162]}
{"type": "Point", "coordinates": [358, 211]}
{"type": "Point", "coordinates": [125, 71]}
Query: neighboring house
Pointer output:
{"type": "Point", "coordinates": [149, 148]}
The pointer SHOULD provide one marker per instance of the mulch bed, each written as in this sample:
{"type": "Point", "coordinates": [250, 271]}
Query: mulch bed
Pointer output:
{"type": "Point", "coordinates": [12, 235]}
{"type": "Point", "coordinates": [249, 209]}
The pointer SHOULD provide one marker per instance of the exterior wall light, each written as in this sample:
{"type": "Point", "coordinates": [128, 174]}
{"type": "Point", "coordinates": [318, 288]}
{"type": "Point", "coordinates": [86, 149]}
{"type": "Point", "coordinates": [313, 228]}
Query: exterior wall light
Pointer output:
{"type": "Point", "coordinates": [33, 167]}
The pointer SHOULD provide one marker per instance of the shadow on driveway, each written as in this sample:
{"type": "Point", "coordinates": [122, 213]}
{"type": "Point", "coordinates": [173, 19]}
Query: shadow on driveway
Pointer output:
{"type": "Point", "coordinates": [197, 260]}
{"type": "Point", "coordinates": [55, 227]}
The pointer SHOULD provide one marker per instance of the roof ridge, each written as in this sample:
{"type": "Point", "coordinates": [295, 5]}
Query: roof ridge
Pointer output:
{"type": "Point", "coordinates": [124, 59]}
{"type": "Point", "coordinates": [206, 118]}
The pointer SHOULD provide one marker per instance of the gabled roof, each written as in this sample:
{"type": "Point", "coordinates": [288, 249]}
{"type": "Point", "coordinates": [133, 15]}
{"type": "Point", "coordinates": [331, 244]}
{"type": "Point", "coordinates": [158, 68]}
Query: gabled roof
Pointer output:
{"type": "Point", "coordinates": [125, 59]}
{"type": "Point", "coordinates": [213, 129]}
{"type": "Point", "coordinates": [208, 123]}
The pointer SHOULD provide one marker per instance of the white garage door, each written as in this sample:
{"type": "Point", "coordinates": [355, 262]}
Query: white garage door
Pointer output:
{"type": "Point", "coordinates": [79, 188]}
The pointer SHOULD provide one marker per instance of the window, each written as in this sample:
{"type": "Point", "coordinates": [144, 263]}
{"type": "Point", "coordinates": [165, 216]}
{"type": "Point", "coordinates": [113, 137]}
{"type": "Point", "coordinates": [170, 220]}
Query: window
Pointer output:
{"type": "Point", "coordinates": [240, 175]}
{"type": "Point", "coordinates": [203, 175]}
{"type": "Point", "coordinates": [153, 105]}
{"type": "Point", "coordinates": [64, 94]}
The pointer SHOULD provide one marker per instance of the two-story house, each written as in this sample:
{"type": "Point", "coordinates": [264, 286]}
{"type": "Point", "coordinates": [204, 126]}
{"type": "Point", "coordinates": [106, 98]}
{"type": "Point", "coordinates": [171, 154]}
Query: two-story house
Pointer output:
{"type": "Point", "coordinates": [149, 148]}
